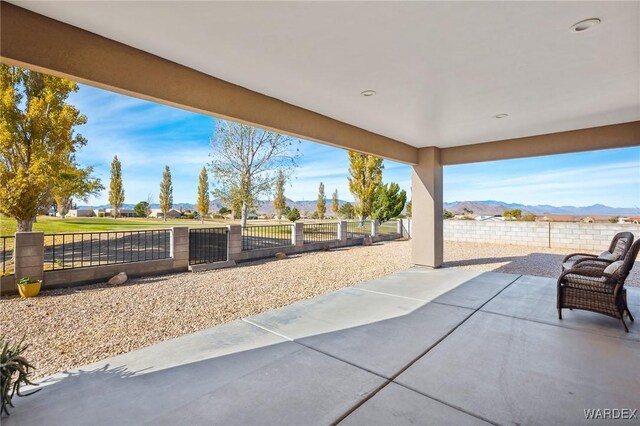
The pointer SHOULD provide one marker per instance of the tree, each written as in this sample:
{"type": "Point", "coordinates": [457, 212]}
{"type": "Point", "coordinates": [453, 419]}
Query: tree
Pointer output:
{"type": "Point", "coordinates": [140, 209]}
{"type": "Point", "coordinates": [514, 214]}
{"type": "Point", "coordinates": [389, 202]}
{"type": "Point", "coordinates": [203, 194]}
{"type": "Point", "coordinates": [293, 215]}
{"type": "Point", "coordinates": [335, 203]}
{"type": "Point", "coordinates": [224, 210]}
{"type": "Point", "coordinates": [166, 193]}
{"type": "Point", "coordinates": [409, 207]}
{"type": "Point", "coordinates": [347, 211]}
{"type": "Point", "coordinates": [279, 201]}
{"type": "Point", "coordinates": [73, 181]}
{"type": "Point", "coordinates": [116, 191]}
{"type": "Point", "coordinates": [37, 139]}
{"type": "Point", "coordinates": [366, 175]}
{"type": "Point", "coordinates": [446, 214]}
{"type": "Point", "coordinates": [245, 159]}
{"type": "Point", "coordinates": [529, 217]}
{"type": "Point", "coordinates": [467, 211]}
{"type": "Point", "coordinates": [150, 200]}
{"type": "Point", "coordinates": [321, 205]}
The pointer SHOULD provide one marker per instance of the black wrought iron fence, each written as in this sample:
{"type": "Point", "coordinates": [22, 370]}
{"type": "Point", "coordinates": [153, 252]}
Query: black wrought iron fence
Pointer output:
{"type": "Point", "coordinates": [388, 227]}
{"type": "Point", "coordinates": [208, 245]}
{"type": "Point", "coordinates": [266, 236]}
{"type": "Point", "coordinates": [78, 250]}
{"type": "Point", "coordinates": [320, 232]}
{"type": "Point", "coordinates": [6, 254]}
{"type": "Point", "coordinates": [358, 229]}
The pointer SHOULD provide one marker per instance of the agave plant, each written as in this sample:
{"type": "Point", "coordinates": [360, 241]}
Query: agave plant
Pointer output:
{"type": "Point", "coordinates": [14, 372]}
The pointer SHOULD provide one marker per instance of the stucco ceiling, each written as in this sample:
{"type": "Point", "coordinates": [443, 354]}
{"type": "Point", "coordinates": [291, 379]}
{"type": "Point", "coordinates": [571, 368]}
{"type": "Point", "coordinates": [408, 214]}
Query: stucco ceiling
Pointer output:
{"type": "Point", "coordinates": [441, 70]}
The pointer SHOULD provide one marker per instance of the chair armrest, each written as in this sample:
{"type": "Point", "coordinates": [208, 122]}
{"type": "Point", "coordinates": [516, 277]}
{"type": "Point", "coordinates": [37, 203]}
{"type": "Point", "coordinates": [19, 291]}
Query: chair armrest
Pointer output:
{"type": "Point", "coordinates": [587, 272]}
{"type": "Point", "coordinates": [569, 256]}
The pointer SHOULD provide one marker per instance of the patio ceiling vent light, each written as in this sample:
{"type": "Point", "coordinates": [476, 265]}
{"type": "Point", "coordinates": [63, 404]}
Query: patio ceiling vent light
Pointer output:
{"type": "Point", "coordinates": [585, 25]}
{"type": "Point", "coordinates": [501, 115]}
{"type": "Point", "coordinates": [368, 93]}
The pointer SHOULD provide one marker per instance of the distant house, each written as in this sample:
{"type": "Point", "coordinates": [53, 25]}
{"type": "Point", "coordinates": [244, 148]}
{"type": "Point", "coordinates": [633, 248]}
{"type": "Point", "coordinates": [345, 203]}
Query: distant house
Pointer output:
{"type": "Point", "coordinates": [121, 212]}
{"type": "Point", "coordinates": [171, 214]}
{"type": "Point", "coordinates": [81, 213]}
{"type": "Point", "coordinates": [494, 218]}
{"type": "Point", "coordinates": [635, 220]}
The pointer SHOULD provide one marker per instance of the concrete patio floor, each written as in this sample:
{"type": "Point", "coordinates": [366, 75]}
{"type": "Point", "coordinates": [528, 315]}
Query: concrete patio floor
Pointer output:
{"type": "Point", "coordinates": [422, 346]}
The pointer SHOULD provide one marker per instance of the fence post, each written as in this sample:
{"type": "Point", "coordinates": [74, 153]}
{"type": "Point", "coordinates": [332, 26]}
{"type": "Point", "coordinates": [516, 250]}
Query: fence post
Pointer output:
{"type": "Point", "coordinates": [180, 247]}
{"type": "Point", "coordinates": [342, 230]}
{"type": "Point", "coordinates": [375, 227]}
{"type": "Point", "coordinates": [28, 255]}
{"type": "Point", "coordinates": [399, 226]}
{"type": "Point", "coordinates": [297, 234]}
{"type": "Point", "coordinates": [235, 242]}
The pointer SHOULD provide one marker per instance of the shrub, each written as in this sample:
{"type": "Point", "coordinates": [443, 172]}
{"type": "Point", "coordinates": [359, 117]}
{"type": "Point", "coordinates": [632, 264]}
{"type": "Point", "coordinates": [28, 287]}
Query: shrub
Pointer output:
{"type": "Point", "coordinates": [293, 215]}
{"type": "Point", "coordinates": [14, 372]}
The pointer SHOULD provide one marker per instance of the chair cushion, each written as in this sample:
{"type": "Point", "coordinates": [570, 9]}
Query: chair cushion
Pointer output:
{"type": "Point", "coordinates": [568, 265]}
{"type": "Point", "coordinates": [606, 255]}
{"type": "Point", "coordinates": [599, 285]}
{"type": "Point", "coordinates": [621, 246]}
{"type": "Point", "coordinates": [613, 268]}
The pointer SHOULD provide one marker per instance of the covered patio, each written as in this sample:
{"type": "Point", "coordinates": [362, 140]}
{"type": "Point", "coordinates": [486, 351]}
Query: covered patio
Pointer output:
{"type": "Point", "coordinates": [422, 346]}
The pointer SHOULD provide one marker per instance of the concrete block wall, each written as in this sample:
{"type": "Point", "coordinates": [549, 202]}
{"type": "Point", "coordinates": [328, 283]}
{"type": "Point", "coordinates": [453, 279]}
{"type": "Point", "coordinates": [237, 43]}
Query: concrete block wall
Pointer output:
{"type": "Point", "coordinates": [28, 255]}
{"type": "Point", "coordinates": [581, 236]}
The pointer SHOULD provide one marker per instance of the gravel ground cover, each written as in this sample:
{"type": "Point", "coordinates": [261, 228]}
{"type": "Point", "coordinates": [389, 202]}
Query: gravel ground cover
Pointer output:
{"type": "Point", "coordinates": [71, 327]}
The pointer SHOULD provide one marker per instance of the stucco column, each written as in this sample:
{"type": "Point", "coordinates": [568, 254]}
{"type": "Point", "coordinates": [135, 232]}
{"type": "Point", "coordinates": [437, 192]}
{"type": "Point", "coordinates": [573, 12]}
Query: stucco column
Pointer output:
{"type": "Point", "coordinates": [235, 242]}
{"type": "Point", "coordinates": [375, 227]}
{"type": "Point", "coordinates": [426, 220]}
{"type": "Point", "coordinates": [297, 234]}
{"type": "Point", "coordinates": [342, 230]}
{"type": "Point", "coordinates": [180, 247]}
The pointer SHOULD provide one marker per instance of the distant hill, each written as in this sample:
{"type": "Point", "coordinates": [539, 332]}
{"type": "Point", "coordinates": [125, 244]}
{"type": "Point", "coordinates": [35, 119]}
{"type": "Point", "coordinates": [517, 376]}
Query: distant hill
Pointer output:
{"type": "Point", "coordinates": [487, 207]}
{"type": "Point", "coordinates": [492, 207]}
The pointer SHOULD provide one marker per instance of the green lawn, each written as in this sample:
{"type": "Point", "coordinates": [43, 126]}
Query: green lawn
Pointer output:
{"type": "Point", "coordinates": [56, 225]}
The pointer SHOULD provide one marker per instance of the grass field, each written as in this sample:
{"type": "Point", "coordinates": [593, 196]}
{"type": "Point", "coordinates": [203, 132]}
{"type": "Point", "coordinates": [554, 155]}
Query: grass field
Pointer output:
{"type": "Point", "coordinates": [56, 225]}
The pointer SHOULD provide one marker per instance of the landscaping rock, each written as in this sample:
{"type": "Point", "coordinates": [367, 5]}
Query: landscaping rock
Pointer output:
{"type": "Point", "coordinates": [121, 278]}
{"type": "Point", "coordinates": [366, 241]}
{"type": "Point", "coordinates": [281, 255]}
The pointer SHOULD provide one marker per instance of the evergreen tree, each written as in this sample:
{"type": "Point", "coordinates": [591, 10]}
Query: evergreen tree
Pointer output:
{"type": "Point", "coordinates": [203, 194]}
{"type": "Point", "coordinates": [116, 190]}
{"type": "Point", "coordinates": [335, 204]}
{"type": "Point", "coordinates": [389, 202]}
{"type": "Point", "coordinates": [366, 175]}
{"type": "Point", "coordinates": [321, 205]}
{"type": "Point", "coordinates": [166, 193]}
{"type": "Point", "coordinates": [279, 201]}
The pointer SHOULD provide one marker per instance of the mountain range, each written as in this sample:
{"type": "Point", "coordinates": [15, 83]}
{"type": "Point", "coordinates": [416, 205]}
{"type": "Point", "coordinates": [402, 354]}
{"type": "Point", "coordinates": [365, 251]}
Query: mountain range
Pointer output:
{"type": "Point", "coordinates": [487, 207]}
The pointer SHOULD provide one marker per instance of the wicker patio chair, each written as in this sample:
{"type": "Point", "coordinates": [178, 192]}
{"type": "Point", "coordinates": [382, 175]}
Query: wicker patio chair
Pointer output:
{"type": "Point", "coordinates": [593, 287]}
{"type": "Point", "coordinates": [618, 248]}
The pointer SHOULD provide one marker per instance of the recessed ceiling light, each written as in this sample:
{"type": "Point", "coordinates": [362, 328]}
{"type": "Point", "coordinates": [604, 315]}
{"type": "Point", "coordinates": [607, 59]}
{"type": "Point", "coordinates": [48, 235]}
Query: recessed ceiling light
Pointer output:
{"type": "Point", "coordinates": [585, 25]}
{"type": "Point", "coordinates": [368, 93]}
{"type": "Point", "coordinates": [501, 115]}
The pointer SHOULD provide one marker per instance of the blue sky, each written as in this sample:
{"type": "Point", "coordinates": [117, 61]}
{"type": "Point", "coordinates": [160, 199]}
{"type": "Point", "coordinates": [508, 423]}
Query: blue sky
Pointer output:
{"type": "Point", "coordinates": [146, 136]}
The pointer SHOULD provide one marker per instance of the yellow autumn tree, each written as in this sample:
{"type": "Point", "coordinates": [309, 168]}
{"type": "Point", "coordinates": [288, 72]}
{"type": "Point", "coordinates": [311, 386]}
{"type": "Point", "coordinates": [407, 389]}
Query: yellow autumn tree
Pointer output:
{"type": "Point", "coordinates": [37, 139]}
{"type": "Point", "coordinates": [366, 175]}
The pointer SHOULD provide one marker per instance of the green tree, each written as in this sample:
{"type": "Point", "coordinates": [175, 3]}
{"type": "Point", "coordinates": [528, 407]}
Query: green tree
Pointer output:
{"type": "Point", "coordinates": [514, 214]}
{"type": "Point", "coordinates": [293, 215]}
{"type": "Point", "coordinates": [116, 191]}
{"type": "Point", "coordinates": [279, 201]}
{"type": "Point", "coordinates": [224, 210]}
{"type": "Point", "coordinates": [389, 202]}
{"type": "Point", "coordinates": [245, 161]}
{"type": "Point", "coordinates": [37, 139]}
{"type": "Point", "coordinates": [467, 211]}
{"type": "Point", "coordinates": [446, 214]}
{"type": "Point", "coordinates": [141, 209]}
{"type": "Point", "coordinates": [203, 194]}
{"type": "Point", "coordinates": [73, 181]}
{"type": "Point", "coordinates": [335, 203]}
{"type": "Point", "coordinates": [409, 208]}
{"type": "Point", "coordinates": [166, 193]}
{"type": "Point", "coordinates": [321, 205]}
{"type": "Point", "coordinates": [366, 175]}
{"type": "Point", "coordinates": [347, 211]}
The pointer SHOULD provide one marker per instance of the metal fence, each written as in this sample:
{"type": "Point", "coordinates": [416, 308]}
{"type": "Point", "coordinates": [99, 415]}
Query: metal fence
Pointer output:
{"type": "Point", "coordinates": [6, 254]}
{"type": "Point", "coordinates": [78, 250]}
{"type": "Point", "coordinates": [358, 229]}
{"type": "Point", "coordinates": [266, 236]}
{"type": "Point", "coordinates": [208, 245]}
{"type": "Point", "coordinates": [320, 232]}
{"type": "Point", "coordinates": [388, 227]}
